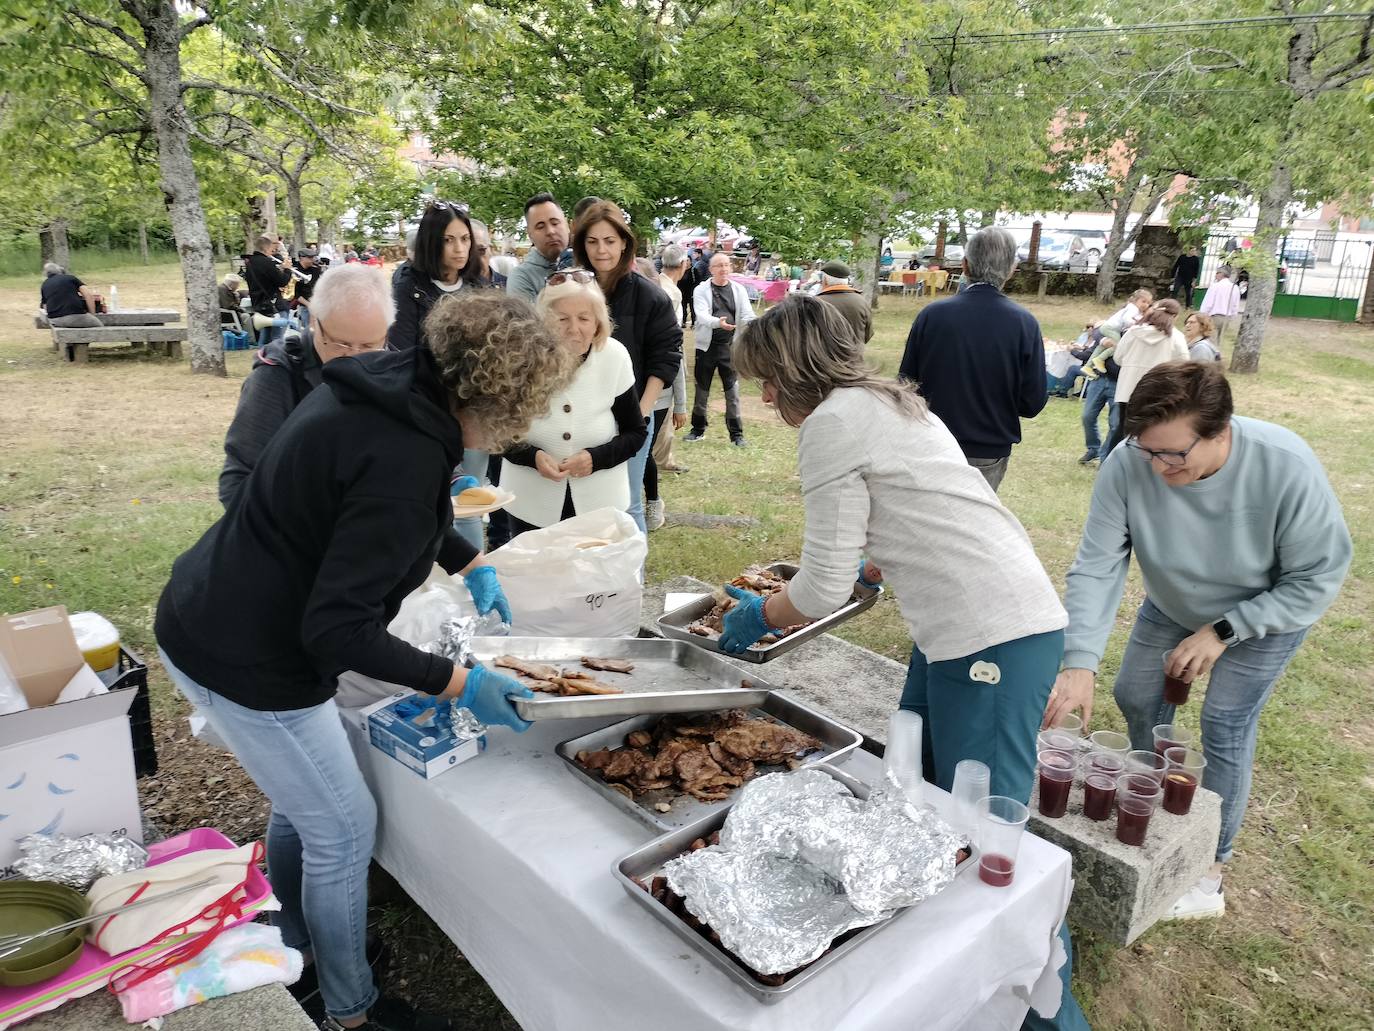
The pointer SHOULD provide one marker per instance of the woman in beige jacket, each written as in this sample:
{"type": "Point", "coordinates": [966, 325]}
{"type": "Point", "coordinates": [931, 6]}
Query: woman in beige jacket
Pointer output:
{"type": "Point", "coordinates": [1152, 341]}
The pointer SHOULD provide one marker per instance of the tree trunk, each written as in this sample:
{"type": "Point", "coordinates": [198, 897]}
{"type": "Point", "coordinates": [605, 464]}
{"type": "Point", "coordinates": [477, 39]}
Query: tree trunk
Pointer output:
{"type": "Point", "coordinates": [871, 290]}
{"type": "Point", "coordinates": [269, 212]}
{"type": "Point", "coordinates": [295, 203]}
{"type": "Point", "coordinates": [143, 241]}
{"type": "Point", "coordinates": [963, 230]}
{"type": "Point", "coordinates": [1119, 239]}
{"type": "Point", "coordinates": [52, 243]}
{"type": "Point", "coordinates": [180, 187]}
{"type": "Point", "coordinates": [1259, 302]}
{"type": "Point", "coordinates": [987, 218]}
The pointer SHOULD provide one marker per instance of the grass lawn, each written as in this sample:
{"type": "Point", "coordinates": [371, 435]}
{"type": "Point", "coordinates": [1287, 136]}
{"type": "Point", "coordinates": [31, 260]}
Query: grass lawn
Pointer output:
{"type": "Point", "coordinates": [108, 472]}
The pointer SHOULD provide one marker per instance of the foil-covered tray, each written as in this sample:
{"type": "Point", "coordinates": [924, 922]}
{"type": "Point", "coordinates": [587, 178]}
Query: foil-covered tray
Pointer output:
{"type": "Point", "coordinates": [837, 742]}
{"type": "Point", "coordinates": [674, 624]}
{"type": "Point", "coordinates": [669, 676]}
{"type": "Point", "coordinates": [646, 863]}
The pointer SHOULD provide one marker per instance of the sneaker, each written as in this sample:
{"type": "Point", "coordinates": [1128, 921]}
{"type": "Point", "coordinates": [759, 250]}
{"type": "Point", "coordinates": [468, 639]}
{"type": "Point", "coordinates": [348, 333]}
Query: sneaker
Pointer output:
{"type": "Point", "coordinates": [653, 514]}
{"type": "Point", "coordinates": [390, 1014]}
{"type": "Point", "coordinates": [1088, 456]}
{"type": "Point", "coordinates": [739, 441]}
{"type": "Point", "coordinates": [1199, 904]}
{"type": "Point", "coordinates": [694, 436]}
{"type": "Point", "coordinates": [306, 990]}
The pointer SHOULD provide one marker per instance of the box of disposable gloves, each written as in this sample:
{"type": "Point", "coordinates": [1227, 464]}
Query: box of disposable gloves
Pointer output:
{"type": "Point", "coordinates": [417, 731]}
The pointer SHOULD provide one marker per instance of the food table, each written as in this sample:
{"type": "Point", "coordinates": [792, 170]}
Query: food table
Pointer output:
{"type": "Point", "coordinates": [512, 858]}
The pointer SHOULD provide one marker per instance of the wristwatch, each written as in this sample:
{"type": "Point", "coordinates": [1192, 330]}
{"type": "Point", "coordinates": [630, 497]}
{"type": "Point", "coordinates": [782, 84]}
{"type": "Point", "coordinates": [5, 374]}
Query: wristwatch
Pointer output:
{"type": "Point", "coordinates": [1225, 633]}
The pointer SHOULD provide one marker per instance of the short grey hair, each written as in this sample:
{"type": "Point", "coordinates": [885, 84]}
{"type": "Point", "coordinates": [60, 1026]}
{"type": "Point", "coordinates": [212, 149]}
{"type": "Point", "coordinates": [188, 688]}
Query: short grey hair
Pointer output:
{"type": "Point", "coordinates": [674, 256]}
{"type": "Point", "coordinates": [351, 288]}
{"type": "Point", "coordinates": [411, 237]}
{"type": "Point", "coordinates": [52, 268]}
{"type": "Point", "coordinates": [477, 223]}
{"type": "Point", "coordinates": [991, 256]}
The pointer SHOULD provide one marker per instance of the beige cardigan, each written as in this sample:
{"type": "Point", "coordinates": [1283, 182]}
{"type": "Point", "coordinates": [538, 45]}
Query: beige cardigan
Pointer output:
{"type": "Point", "coordinates": [1140, 349]}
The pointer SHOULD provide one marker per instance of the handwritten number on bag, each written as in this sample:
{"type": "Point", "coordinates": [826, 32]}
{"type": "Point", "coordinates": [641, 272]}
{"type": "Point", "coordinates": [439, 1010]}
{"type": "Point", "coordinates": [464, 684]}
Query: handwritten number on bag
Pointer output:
{"type": "Point", "coordinates": [596, 601]}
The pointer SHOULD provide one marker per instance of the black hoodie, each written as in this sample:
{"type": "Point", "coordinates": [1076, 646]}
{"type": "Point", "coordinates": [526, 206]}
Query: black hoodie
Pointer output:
{"type": "Point", "coordinates": [343, 516]}
{"type": "Point", "coordinates": [284, 372]}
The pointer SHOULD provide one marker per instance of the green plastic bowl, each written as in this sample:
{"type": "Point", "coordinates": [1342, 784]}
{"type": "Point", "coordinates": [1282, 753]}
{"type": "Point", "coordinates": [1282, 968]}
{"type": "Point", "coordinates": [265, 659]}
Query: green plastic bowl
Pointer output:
{"type": "Point", "coordinates": [29, 906]}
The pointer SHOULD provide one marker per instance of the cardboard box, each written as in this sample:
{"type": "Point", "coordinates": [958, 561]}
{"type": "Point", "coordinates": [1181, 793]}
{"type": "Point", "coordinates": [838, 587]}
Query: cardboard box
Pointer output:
{"type": "Point", "coordinates": [420, 746]}
{"type": "Point", "coordinates": [66, 763]}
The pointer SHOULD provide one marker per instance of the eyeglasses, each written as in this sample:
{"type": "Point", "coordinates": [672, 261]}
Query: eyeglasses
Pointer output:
{"type": "Point", "coordinates": [329, 341]}
{"type": "Point", "coordinates": [570, 275]}
{"type": "Point", "coordinates": [1169, 458]}
{"type": "Point", "coordinates": [444, 205]}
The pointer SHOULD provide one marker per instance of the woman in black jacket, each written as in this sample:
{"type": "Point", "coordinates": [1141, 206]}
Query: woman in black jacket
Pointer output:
{"type": "Point", "coordinates": [642, 316]}
{"type": "Point", "coordinates": [343, 516]}
{"type": "Point", "coordinates": [444, 262]}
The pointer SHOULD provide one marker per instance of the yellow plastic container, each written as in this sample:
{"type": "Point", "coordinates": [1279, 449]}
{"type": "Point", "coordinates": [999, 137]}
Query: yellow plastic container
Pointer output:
{"type": "Point", "coordinates": [97, 638]}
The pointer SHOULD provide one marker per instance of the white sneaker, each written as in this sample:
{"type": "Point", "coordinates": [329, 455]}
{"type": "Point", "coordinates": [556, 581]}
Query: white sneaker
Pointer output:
{"type": "Point", "coordinates": [1198, 904]}
{"type": "Point", "coordinates": [653, 514]}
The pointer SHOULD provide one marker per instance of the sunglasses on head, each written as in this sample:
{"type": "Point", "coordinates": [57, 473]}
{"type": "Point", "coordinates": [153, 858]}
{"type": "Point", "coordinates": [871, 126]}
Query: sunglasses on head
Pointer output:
{"type": "Point", "coordinates": [570, 275]}
{"type": "Point", "coordinates": [444, 205]}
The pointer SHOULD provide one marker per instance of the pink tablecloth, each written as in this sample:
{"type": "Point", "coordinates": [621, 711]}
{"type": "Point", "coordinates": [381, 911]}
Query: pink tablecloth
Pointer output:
{"type": "Point", "coordinates": [771, 290]}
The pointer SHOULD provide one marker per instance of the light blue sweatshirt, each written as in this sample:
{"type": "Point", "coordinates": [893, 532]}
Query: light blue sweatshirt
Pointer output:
{"type": "Point", "coordinates": [1261, 542]}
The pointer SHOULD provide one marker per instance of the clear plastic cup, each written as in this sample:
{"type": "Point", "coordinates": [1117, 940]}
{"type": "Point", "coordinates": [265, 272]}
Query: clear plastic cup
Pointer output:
{"type": "Point", "coordinates": [1110, 763]}
{"type": "Point", "coordinates": [1181, 779]}
{"type": "Point", "coordinates": [1110, 741]}
{"type": "Point", "coordinates": [1055, 772]}
{"type": "Point", "coordinates": [1099, 792]}
{"type": "Point", "coordinates": [1171, 735]}
{"type": "Point", "coordinates": [902, 757]}
{"type": "Point", "coordinates": [1070, 723]}
{"type": "Point", "coordinates": [972, 784]}
{"type": "Point", "coordinates": [1175, 688]}
{"type": "Point", "coordinates": [1137, 797]}
{"type": "Point", "coordinates": [1056, 740]}
{"type": "Point", "coordinates": [1001, 823]}
{"type": "Point", "coordinates": [1152, 764]}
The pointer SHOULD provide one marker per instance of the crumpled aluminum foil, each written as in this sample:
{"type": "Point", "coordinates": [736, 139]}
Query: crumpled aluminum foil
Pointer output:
{"type": "Point", "coordinates": [455, 643]}
{"type": "Point", "coordinates": [801, 861]}
{"type": "Point", "coordinates": [78, 862]}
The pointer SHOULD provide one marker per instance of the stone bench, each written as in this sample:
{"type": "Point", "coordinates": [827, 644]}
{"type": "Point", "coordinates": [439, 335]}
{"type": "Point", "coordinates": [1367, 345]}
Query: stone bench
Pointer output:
{"type": "Point", "coordinates": [77, 339]}
{"type": "Point", "coordinates": [1119, 890]}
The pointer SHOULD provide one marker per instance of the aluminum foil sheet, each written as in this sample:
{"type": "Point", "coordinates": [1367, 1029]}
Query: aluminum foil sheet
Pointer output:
{"type": "Point", "coordinates": [78, 862]}
{"type": "Point", "coordinates": [455, 643]}
{"type": "Point", "coordinates": [801, 861]}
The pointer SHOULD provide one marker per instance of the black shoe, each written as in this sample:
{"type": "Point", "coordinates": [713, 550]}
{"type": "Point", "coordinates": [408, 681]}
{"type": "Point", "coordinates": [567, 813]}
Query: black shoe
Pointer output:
{"type": "Point", "coordinates": [739, 441]}
{"type": "Point", "coordinates": [1088, 456]}
{"type": "Point", "coordinates": [695, 436]}
{"type": "Point", "coordinates": [391, 1014]}
{"type": "Point", "coordinates": [306, 990]}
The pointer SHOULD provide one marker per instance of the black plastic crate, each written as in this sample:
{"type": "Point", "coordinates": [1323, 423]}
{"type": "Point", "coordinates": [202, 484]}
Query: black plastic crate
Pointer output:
{"type": "Point", "coordinates": [133, 672]}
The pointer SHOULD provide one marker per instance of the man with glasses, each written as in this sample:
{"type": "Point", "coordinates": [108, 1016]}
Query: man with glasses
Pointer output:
{"type": "Point", "coordinates": [1242, 546]}
{"type": "Point", "coordinates": [548, 231]}
{"type": "Point", "coordinates": [352, 309]}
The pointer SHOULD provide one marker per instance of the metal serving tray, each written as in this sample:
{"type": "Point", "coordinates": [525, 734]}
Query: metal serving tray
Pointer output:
{"type": "Point", "coordinates": [669, 676]}
{"type": "Point", "coordinates": [646, 862]}
{"type": "Point", "coordinates": [674, 624]}
{"type": "Point", "coordinates": [837, 742]}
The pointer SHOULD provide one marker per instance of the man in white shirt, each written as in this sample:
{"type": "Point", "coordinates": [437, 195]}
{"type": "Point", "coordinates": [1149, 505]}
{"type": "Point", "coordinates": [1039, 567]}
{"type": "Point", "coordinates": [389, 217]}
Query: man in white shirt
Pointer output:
{"type": "Point", "coordinates": [721, 305]}
{"type": "Point", "coordinates": [1222, 302]}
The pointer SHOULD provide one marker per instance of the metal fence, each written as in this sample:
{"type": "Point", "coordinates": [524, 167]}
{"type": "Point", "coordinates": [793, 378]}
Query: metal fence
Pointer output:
{"type": "Point", "coordinates": [1321, 274]}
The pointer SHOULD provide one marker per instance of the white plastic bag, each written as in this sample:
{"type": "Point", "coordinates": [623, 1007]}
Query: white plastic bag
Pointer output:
{"type": "Point", "coordinates": [441, 597]}
{"type": "Point", "coordinates": [577, 578]}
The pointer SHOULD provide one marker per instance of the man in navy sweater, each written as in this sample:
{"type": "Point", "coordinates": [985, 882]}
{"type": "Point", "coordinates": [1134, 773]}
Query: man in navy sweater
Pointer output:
{"type": "Point", "coordinates": [979, 358]}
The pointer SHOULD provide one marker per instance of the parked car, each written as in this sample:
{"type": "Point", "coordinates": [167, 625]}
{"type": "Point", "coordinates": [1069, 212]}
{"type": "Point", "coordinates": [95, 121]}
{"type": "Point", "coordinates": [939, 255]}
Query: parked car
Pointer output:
{"type": "Point", "coordinates": [954, 253]}
{"type": "Point", "coordinates": [1298, 253]}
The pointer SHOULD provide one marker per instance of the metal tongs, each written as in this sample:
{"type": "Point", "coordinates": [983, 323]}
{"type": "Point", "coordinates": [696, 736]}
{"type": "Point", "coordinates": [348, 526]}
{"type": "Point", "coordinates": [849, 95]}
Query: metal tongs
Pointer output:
{"type": "Point", "coordinates": [12, 943]}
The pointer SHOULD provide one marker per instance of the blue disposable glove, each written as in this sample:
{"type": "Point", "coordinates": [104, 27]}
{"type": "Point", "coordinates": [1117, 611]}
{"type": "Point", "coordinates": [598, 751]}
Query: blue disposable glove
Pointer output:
{"type": "Point", "coordinates": [486, 592]}
{"type": "Point", "coordinates": [744, 624]}
{"type": "Point", "coordinates": [463, 483]}
{"type": "Point", "coordinates": [487, 696]}
{"type": "Point", "coordinates": [863, 564]}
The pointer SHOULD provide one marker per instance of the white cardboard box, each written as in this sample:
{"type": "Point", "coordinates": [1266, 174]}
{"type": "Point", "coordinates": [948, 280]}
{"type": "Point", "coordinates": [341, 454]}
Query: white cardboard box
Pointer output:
{"type": "Point", "coordinates": [66, 767]}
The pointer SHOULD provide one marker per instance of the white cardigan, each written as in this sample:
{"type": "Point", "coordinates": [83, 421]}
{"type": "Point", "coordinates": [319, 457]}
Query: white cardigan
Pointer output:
{"type": "Point", "coordinates": [578, 417]}
{"type": "Point", "coordinates": [1139, 350]}
{"type": "Point", "coordinates": [706, 322]}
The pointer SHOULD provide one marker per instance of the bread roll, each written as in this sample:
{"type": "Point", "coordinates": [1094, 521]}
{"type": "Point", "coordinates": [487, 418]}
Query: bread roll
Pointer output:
{"type": "Point", "coordinates": [477, 496]}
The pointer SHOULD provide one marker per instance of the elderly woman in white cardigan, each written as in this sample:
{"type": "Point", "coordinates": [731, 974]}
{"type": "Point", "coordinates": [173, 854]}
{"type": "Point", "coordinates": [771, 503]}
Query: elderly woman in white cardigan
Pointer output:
{"type": "Point", "coordinates": [573, 458]}
{"type": "Point", "coordinates": [721, 307]}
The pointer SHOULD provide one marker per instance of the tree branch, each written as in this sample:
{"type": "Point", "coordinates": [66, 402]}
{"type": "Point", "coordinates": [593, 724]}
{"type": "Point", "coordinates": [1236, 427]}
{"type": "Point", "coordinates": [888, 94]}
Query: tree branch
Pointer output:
{"type": "Point", "coordinates": [108, 27]}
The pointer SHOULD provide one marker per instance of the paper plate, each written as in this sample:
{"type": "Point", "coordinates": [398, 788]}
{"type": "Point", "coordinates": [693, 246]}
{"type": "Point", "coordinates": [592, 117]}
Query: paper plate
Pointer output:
{"type": "Point", "coordinates": [503, 498]}
{"type": "Point", "coordinates": [29, 906]}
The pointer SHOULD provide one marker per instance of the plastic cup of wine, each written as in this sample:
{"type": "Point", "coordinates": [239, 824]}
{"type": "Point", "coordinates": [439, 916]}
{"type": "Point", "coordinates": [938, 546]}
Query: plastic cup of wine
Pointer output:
{"type": "Point", "coordinates": [1181, 779]}
{"type": "Point", "coordinates": [1001, 824]}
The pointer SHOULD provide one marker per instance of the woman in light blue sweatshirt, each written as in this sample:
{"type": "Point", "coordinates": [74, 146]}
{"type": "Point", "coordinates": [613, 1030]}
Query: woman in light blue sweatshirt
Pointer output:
{"type": "Point", "coordinates": [1242, 546]}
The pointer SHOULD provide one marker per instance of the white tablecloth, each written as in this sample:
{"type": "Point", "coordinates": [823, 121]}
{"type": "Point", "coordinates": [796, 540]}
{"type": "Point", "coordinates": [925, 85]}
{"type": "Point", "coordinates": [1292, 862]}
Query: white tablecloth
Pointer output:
{"type": "Point", "coordinates": [512, 858]}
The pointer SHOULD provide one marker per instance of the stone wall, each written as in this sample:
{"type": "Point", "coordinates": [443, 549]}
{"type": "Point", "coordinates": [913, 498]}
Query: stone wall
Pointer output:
{"type": "Point", "coordinates": [1155, 251]}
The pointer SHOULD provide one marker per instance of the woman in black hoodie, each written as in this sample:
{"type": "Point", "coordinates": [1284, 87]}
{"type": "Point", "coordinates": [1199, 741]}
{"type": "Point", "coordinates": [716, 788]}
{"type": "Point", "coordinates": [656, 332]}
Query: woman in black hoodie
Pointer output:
{"type": "Point", "coordinates": [343, 516]}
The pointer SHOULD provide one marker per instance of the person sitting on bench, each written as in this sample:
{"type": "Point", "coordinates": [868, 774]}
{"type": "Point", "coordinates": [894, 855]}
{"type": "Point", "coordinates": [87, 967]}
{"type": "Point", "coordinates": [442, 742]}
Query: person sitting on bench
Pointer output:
{"type": "Point", "coordinates": [67, 302]}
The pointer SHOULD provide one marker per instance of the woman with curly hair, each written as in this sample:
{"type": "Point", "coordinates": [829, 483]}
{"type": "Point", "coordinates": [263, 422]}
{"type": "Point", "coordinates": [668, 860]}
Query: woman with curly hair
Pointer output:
{"type": "Point", "coordinates": [643, 317]}
{"type": "Point", "coordinates": [344, 515]}
{"type": "Point", "coordinates": [573, 458]}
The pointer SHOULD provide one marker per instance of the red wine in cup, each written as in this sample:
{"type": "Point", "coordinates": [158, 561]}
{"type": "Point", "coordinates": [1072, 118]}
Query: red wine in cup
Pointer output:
{"type": "Point", "coordinates": [1098, 793]}
{"type": "Point", "coordinates": [996, 870]}
{"type": "Point", "coordinates": [1179, 787]}
{"type": "Point", "coordinates": [1132, 820]}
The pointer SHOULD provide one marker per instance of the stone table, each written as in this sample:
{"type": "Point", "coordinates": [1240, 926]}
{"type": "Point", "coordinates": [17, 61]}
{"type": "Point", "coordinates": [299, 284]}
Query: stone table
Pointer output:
{"type": "Point", "coordinates": [1121, 890]}
{"type": "Point", "coordinates": [269, 1008]}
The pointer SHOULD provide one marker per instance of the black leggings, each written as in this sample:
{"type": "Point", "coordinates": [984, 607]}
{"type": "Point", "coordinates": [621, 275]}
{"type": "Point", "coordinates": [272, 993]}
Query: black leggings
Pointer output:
{"type": "Point", "coordinates": [650, 466]}
{"type": "Point", "coordinates": [518, 526]}
{"type": "Point", "coordinates": [1120, 432]}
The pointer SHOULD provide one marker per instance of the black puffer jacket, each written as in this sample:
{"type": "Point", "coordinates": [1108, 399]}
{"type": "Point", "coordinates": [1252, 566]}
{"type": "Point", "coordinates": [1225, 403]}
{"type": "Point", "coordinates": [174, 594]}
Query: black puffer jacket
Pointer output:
{"type": "Point", "coordinates": [645, 324]}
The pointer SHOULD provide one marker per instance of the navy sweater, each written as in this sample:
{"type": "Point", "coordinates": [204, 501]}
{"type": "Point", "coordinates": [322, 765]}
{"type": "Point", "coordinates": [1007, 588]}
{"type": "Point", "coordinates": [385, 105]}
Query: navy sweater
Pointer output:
{"type": "Point", "coordinates": [980, 362]}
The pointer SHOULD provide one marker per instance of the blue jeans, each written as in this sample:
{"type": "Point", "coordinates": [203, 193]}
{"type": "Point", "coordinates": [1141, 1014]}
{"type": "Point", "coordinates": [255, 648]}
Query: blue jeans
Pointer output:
{"type": "Point", "coordinates": [1062, 386]}
{"type": "Point", "coordinates": [474, 464]}
{"type": "Point", "coordinates": [1239, 685]}
{"type": "Point", "coordinates": [320, 835]}
{"type": "Point", "coordinates": [1100, 393]}
{"type": "Point", "coordinates": [635, 467]}
{"type": "Point", "coordinates": [964, 718]}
